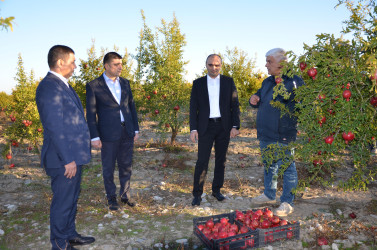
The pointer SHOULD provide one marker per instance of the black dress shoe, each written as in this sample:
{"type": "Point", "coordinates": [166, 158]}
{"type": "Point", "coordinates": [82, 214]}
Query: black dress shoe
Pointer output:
{"type": "Point", "coordinates": [196, 201]}
{"type": "Point", "coordinates": [112, 203]}
{"type": "Point", "coordinates": [128, 202]}
{"type": "Point", "coordinates": [81, 240]}
{"type": "Point", "coordinates": [218, 196]}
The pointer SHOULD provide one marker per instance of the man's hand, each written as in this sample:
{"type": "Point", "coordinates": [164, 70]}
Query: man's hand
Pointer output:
{"type": "Point", "coordinates": [234, 132]}
{"type": "Point", "coordinates": [70, 170]}
{"type": "Point", "coordinates": [254, 99]}
{"type": "Point", "coordinates": [97, 144]}
{"type": "Point", "coordinates": [136, 137]}
{"type": "Point", "coordinates": [194, 136]}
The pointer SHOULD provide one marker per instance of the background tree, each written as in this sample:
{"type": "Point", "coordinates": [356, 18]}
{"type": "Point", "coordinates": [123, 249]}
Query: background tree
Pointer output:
{"type": "Point", "coordinates": [248, 79]}
{"type": "Point", "coordinates": [6, 22]}
{"type": "Point", "coordinates": [127, 63]}
{"type": "Point", "coordinates": [243, 71]}
{"type": "Point", "coordinates": [92, 67]}
{"type": "Point", "coordinates": [129, 73]}
{"type": "Point", "coordinates": [161, 72]}
{"type": "Point", "coordinates": [5, 100]}
{"type": "Point", "coordinates": [89, 69]}
{"type": "Point", "coordinates": [25, 126]}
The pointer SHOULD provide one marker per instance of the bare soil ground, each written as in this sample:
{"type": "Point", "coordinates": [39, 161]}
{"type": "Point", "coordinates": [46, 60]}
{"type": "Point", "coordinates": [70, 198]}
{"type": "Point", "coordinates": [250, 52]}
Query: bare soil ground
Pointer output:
{"type": "Point", "coordinates": [161, 185]}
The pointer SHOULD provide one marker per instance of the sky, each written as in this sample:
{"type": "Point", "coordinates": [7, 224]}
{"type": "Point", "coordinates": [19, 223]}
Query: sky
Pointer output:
{"type": "Point", "coordinates": [254, 26]}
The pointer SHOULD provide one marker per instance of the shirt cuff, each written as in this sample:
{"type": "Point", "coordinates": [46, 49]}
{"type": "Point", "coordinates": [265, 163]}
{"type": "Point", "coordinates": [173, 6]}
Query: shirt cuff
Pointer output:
{"type": "Point", "coordinates": [136, 132]}
{"type": "Point", "coordinates": [95, 139]}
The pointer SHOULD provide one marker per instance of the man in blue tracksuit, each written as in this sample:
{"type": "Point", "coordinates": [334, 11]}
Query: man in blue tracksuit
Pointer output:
{"type": "Point", "coordinates": [274, 129]}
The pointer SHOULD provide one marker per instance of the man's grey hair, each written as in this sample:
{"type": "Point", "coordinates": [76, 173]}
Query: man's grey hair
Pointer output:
{"type": "Point", "coordinates": [277, 53]}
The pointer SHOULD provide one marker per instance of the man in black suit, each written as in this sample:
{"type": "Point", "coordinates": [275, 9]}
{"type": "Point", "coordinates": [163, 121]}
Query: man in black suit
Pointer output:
{"type": "Point", "coordinates": [113, 125]}
{"type": "Point", "coordinates": [214, 118]}
{"type": "Point", "coordinates": [66, 145]}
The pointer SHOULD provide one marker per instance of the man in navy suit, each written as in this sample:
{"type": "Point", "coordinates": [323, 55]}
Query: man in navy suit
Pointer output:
{"type": "Point", "coordinates": [214, 118]}
{"type": "Point", "coordinates": [66, 145]}
{"type": "Point", "coordinates": [113, 125]}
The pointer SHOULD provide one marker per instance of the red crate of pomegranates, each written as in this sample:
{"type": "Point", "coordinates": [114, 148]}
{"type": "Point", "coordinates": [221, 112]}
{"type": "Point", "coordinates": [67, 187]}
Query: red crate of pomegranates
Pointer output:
{"type": "Point", "coordinates": [271, 228]}
{"type": "Point", "coordinates": [222, 232]}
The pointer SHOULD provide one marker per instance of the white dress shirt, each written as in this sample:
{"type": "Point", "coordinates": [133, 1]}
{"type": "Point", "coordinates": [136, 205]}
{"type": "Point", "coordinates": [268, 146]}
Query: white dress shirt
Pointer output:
{"type": "Point", "coordinates": [213, 85]}
{"type": "Point", "coordinates": [115, 89]}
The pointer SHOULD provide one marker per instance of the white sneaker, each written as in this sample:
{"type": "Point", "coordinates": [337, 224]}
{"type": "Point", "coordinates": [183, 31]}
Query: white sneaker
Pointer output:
{"type": "Point", "coordinates": [284, 209]}
{"type": "Point", "coordinates": [262, 199]}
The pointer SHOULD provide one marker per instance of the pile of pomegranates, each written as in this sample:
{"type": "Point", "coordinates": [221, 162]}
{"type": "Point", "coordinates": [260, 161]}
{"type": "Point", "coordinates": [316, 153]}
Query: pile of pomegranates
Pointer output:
{"type": "Point", "coordinates": [228, 232]}
{"type": "Point", "coordinates": [264, 219]}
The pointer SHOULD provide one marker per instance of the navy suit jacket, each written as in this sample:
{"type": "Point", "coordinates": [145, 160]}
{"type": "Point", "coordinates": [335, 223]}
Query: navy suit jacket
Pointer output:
{"type": "Point", "coordinates": [200, 109]}
{"type": "Point", "coordinates": [66, 135]}
{"type": "Point", "coordinates": [103, 111]}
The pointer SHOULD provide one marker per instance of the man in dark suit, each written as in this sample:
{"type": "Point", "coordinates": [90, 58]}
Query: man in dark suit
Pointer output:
{"type": "Point", "coordinates": [66, 145]}
{"type": "Point", "coordinates": [113, 125]}
{"type": "Point", "coordinates": [214, 118]}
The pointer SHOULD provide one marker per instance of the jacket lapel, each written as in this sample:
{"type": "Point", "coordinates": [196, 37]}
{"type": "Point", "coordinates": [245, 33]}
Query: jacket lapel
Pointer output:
{"type": "Point", "coordinates": [222, 89]}
{"type": "Point", "coordinates": [75, 98]}
{"type": "Point", "coordinates": [106, 89]}
{"type": "Point", "coordinates": [123, 90]}
{"type": "Point", "coordinates": [205, 89]}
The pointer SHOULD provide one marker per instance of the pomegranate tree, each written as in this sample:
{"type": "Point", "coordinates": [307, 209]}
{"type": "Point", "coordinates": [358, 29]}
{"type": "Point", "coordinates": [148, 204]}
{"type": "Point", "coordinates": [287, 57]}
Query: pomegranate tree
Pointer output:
{"type": "Point", "coordinates": [160, 74]}
{"type": "Point", "coordinates": [24, 127]}
{"type": "Point", "coordinates": [337, 108]}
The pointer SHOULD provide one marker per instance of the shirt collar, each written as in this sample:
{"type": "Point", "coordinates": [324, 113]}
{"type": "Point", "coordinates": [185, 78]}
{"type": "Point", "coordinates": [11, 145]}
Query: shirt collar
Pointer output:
{"type": "Point", "coordinates": [65, 80]}
{"type": "Point", "coordinates": [108, 80]}
{"type": "Point", "coordinates": [213, 79]}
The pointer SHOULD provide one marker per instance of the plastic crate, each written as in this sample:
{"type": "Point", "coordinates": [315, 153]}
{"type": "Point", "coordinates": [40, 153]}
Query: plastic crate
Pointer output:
{"type": "Point", "coordinates": [241, 241]}
{"type": "Point", "coordinates": [277, 234]}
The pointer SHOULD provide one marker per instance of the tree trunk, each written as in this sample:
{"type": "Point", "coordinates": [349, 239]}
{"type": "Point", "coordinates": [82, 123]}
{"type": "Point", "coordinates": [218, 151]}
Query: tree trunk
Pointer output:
{"type": "Point", "coordinates": [174, 133]}
{"type": "Point", "coordinates": [39, 150]}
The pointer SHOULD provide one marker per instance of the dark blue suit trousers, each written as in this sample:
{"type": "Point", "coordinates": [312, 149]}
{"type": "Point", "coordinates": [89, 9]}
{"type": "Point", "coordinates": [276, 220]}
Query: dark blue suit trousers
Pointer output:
{"type": "Point", "coordinates": [63, 206]}
{"type": "Point", "coordinates": [120, 152]}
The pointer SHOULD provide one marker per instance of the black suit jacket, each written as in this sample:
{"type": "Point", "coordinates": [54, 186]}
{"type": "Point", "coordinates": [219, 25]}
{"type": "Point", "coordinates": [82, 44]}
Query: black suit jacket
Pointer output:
{"type": "Point", "coordinates": [200, 109]}
{"type": "Point", "coordinates": [66, 134]}
{"type": "Point", "coordinates": [103, 111]}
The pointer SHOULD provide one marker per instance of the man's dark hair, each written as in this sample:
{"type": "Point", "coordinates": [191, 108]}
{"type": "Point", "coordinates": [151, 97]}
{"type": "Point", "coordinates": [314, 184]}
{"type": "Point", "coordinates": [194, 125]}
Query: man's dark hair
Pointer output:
{"type": "Point", "coordinates": [110, 56]}
{"type": "Point", "coordinates": [58, 52]}
{"type": "Point", "coordinates": [211, 55]}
